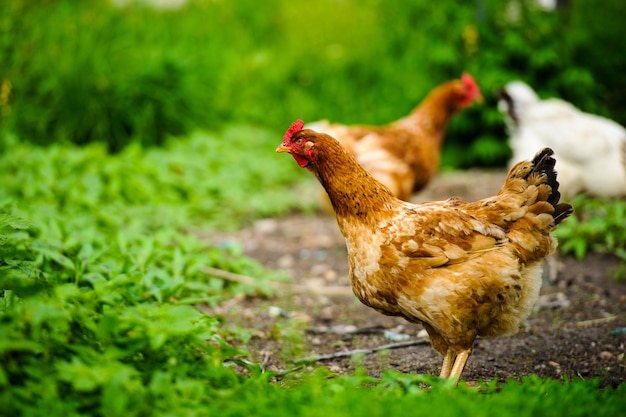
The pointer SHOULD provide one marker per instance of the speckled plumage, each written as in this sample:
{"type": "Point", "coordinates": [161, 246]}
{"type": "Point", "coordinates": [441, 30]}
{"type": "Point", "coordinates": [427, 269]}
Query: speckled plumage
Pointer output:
{"type": "Point", "coordinates": [461, 269]}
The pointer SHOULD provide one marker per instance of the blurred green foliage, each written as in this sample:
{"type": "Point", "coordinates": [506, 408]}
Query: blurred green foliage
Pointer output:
{"type": "Point", "coordinates": [103, 259]}
{"type": "Point", "coordinates": [596, 226]}
{"type": "Point", "coordinates": [88, 71]}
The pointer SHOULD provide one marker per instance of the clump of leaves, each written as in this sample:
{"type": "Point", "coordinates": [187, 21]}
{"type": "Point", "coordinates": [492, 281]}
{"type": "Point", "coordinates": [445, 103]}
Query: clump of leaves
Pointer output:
{"type": "Point", "coordinates": [17, 262]}
{"type": "Point", "coordinates": [596, 226]}
{"type": "Point", "coordinates": [106, 328]}
{"type": "Point", "coordinates": [98, 286]}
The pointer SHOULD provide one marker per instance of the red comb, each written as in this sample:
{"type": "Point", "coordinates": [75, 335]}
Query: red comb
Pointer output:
{"type": "Point", "coordinates": [467, 79]}
{"type": "Point", "coordinates": [295, 127]}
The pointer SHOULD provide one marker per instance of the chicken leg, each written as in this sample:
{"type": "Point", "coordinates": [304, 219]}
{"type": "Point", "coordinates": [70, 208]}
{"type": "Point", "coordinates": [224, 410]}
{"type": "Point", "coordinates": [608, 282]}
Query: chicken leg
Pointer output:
{"type": "Point", "coordinates": [459, 364]}
{"type": "Point", "coordinates": [448, 362]}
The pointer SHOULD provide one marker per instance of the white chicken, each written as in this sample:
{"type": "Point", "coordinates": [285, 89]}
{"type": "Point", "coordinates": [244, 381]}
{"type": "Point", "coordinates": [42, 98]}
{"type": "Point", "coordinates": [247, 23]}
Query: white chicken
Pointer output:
{"type": "Point", "coordinates": [590, 150]}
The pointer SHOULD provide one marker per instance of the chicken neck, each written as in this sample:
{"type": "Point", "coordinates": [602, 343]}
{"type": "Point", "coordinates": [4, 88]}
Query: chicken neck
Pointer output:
{"type": "Point", "coordinates": [352, 191]}
{"type": "Point", "coordinates": [433, 114]}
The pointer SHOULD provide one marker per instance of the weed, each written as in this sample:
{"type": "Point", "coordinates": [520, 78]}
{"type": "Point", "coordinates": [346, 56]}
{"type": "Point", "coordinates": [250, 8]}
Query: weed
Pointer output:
{"type": "Point", "coordinates": [597, 226]}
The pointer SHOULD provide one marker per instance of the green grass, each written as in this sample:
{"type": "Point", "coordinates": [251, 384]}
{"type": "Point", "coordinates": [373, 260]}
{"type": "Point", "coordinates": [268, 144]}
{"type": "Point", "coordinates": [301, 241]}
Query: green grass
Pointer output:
{"type": "Point", "coordinates": [399, 394]}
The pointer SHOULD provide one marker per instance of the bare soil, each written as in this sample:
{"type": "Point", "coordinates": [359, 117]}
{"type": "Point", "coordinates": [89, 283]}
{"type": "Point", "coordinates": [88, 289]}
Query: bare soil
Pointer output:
{"type": "Point", "coordinates": [578, 329]}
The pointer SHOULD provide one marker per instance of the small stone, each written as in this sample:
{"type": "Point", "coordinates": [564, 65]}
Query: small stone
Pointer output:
{"type": "Point", "coordinates": [301, 317]}
{"type": "Point", "coordinates": [318, 270]}
{"type": "Point", "coordinates": [423, 334]}
{"type": "Point", "coordinates": [606, 355]}
{"type": "Point", "coordinates": [396, 337]}
{"type": "Point", "coordinates": [285, 262]}
{"type": "Point", "coordinates": [334, 368]}
{"type": "Point", "coordinates": [330, 275]}
{"type": "Point", "coordinates": [327, 312]}
{"type": "Point", "coordinates": [266, 226]}
{"type": "Point", "coordinates": [275, 311]}
{"type": "Point", "coordinates": [556, 366]}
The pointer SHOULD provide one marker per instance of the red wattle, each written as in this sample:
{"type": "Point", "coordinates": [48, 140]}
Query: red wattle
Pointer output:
{"type": "Point", "coordinates": [303, 162]}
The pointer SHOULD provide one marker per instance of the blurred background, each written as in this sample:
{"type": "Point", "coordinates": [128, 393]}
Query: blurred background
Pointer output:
{"type": "Point", "coordinates": [124, 71]}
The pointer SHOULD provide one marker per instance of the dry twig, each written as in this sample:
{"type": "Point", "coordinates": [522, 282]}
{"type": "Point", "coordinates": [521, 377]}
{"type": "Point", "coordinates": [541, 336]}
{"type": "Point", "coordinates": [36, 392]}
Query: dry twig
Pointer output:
{"type": "Point", "coordinates": [348, 353]}
{"type": "Point", "coordinates": [595, 322]}
{"type": "Point", "coordinates": [346, 330]}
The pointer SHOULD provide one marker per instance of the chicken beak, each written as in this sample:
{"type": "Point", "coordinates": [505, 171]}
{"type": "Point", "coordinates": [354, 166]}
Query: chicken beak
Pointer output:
{"type": "Point", "coordinates": [282, 148]}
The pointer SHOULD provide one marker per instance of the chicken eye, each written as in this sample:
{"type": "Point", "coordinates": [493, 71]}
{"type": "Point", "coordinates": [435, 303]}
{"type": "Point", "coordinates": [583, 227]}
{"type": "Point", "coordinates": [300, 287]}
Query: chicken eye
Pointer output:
{"type": "Point", "coordinates": [299, 141]}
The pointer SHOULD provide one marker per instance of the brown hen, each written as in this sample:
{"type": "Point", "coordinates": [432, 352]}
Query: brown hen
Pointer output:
{"type": "Point", "coordinates": [460, 269]}
{"type": "Point", "coordinates": [404, 155]}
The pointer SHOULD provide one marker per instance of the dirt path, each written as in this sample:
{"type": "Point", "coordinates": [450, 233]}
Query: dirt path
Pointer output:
{"type": "Point", "coordinates": [577, 330]}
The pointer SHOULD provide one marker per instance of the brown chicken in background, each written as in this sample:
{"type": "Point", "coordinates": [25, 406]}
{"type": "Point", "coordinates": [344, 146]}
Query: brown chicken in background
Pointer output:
{"type": "Point", "coordinates": [404, 155]}
{"type": "Point", "coordinates": [460, 269]}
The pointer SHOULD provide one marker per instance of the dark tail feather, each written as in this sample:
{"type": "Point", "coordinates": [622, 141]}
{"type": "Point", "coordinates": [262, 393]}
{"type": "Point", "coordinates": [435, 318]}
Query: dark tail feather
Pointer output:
{"type": "Point", "coordinates": [502, 94]}
{"type": "Point", "coordinates": [543, 163]}
{"type": "Point", "coordinates": [562, 212]}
